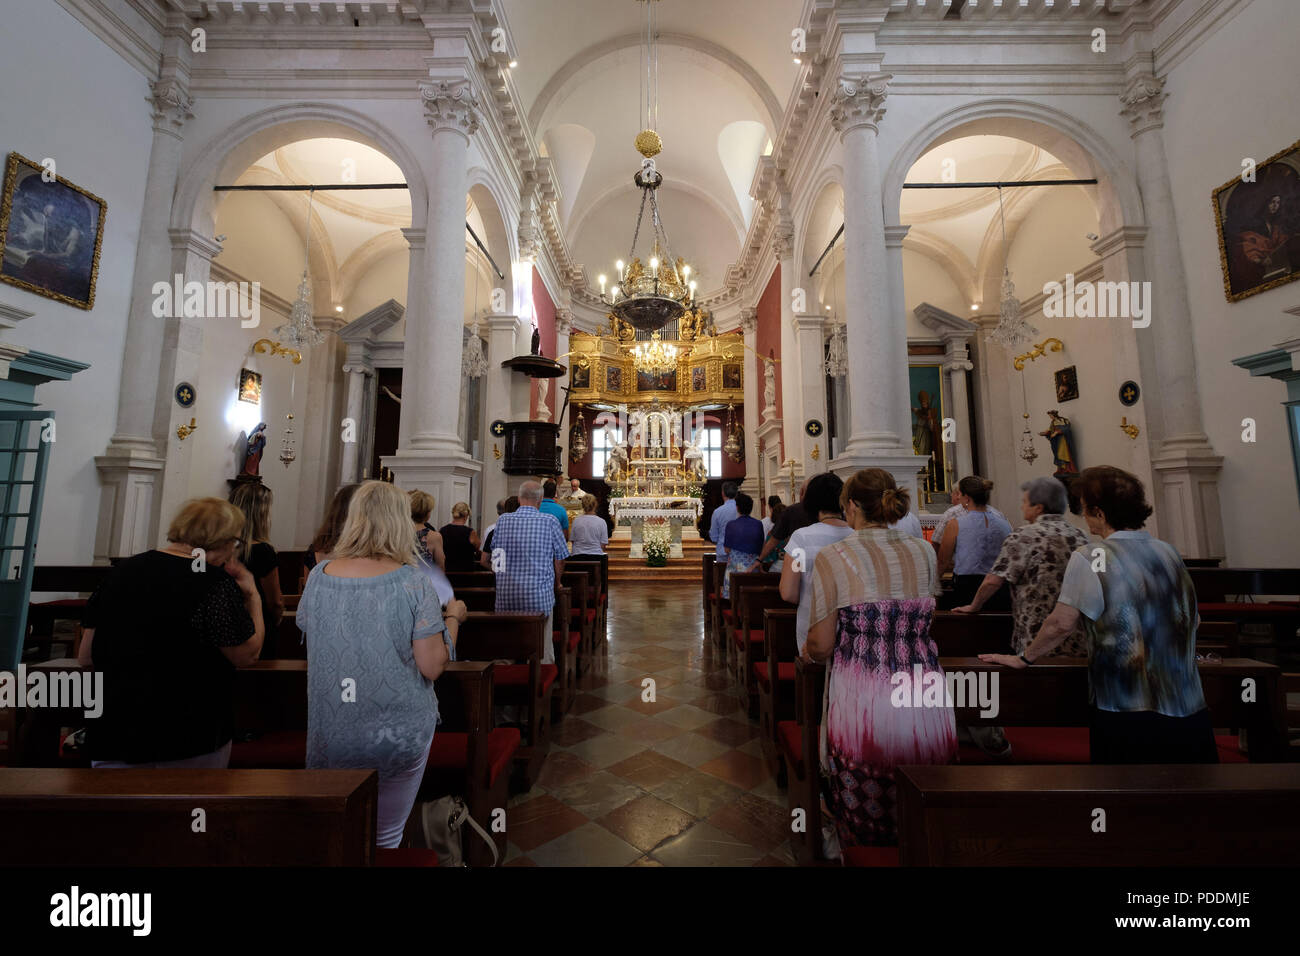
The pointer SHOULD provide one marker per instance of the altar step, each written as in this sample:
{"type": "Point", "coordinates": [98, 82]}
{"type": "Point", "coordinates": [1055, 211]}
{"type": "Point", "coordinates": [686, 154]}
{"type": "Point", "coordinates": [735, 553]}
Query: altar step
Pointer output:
{"type": "Point", "coordinates": [684, 570]}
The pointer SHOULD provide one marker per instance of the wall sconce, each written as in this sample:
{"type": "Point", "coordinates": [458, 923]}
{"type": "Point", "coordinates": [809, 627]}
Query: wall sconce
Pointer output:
{"type": "Point", "coordinates": [185, 431]}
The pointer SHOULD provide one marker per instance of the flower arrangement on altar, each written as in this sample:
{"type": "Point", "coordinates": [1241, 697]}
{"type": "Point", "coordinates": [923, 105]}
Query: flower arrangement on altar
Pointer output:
{"type": "Point", "coordinates": [656, 542]}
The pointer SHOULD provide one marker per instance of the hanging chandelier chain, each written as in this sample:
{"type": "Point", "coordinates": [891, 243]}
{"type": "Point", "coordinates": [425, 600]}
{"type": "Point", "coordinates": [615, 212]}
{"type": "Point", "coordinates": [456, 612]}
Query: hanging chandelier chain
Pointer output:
{"type": "Point", "coordinates": [637, 231]}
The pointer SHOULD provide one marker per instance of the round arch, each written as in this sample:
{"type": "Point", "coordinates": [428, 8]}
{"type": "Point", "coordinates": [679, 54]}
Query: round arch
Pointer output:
{"type": "Point", "coordinates": [262, 132]}
{"type": "Point", "coordinates": [499, 238]}
{"type": "Point", "coordinates": [1079, 146]}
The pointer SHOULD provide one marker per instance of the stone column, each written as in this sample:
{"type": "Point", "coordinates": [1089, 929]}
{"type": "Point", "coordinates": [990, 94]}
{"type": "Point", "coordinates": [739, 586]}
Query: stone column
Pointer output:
{"type": "Point", "coordinates": [877, 339]}
{"type": "Point", "coordinates": [792, 417]}
{"type": "Point", "coordinates": [505, 398]}
{"type": "Point", "coordinates": [356, 371]}
{"type": "Point", "coordinates": [132, 465]}
{"type": "Point", "coordinates": [430, 454]}
{"type": "Point", "coordinates": [1184, 465]}
{"type": "Point", "coordinates": [753, 396]}
{"type": "Point", "coordinates": [811, 338]}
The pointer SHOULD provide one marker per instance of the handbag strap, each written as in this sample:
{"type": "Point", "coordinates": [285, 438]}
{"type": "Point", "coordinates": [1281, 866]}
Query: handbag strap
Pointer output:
{"type": "Point", "coordinates": [465, 817]}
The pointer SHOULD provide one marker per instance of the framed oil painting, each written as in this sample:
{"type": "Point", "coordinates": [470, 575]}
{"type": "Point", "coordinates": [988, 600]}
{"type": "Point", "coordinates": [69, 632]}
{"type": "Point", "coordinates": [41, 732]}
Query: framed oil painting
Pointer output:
{"type": "Point", "coordinates": [581, 376]}
{"type": "Point", "coordinates": [925, 388]}
{"type": "Point", "coordinates": [613, 379]}
{"type": "Point", "coordinates": [1259, 227]}
{"type": "Point", "coordinates": [1067, 384]}
{"type": "Point", "coordinates": [699, 379]}
{"type": "Point", "coordinates": [656, 381]}
{"type": "Point", "coordinates": [50, 234]}
{"type": "Point", "coordinates": [732, 376]}
{"type": "Point", "coordinates": [250, 386]}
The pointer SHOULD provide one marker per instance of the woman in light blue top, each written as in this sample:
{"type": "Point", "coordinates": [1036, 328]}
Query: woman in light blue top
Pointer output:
{"type": "Point", "coordinates": [971, 544]}
{"type": "Point", "coordinates": [377, 638]}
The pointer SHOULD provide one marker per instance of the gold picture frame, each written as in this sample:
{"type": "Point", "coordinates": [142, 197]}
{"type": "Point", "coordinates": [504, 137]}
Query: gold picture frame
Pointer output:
{"type": "Point", "coordinates": [45, 222]}
{"type": "Point", "coordinates": [1254, 231]}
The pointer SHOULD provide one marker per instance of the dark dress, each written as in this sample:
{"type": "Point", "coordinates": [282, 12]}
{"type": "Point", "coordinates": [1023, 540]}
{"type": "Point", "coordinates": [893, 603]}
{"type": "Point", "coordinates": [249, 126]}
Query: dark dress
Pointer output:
{"type": "Point", "coordinates": [460, 554]}
{"type": "Point", "coordinates": [262, 560]}
{"type": "Point", "coordinates": [168, 689]}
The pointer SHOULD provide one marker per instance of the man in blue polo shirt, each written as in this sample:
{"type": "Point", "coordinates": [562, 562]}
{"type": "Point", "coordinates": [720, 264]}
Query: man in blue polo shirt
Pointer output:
{"type": "Point", "coordinates": [550, 506]}
{"type": "Point", "coordinates": [723, 515]}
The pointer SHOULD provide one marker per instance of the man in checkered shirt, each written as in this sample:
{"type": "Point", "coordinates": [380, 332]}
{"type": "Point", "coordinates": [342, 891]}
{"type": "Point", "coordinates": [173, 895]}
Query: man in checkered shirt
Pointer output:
{"type": "Point", "coordinates": [528, 552]}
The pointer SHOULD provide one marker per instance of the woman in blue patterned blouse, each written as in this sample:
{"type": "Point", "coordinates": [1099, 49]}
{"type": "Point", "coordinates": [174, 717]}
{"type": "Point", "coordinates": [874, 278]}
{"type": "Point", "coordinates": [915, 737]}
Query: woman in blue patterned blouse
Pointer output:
{"type": "Point", "coordinates": [1138, 609]}
{"type": "Point", "coordinates": [377, 638]}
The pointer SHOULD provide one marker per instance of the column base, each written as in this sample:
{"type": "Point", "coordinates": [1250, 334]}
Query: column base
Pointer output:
{"type": "Point", "coordinates": [130, 473]}
{"type": "Point", "coordinates": [1186, 475]}
{"type": "Point", "coordinates": [900, 462]}
{"type": "Point", "coordinates": [448, 477]}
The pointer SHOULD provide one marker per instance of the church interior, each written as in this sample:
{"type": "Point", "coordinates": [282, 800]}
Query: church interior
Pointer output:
{"type": "Point", "coordinates": [619, 297]}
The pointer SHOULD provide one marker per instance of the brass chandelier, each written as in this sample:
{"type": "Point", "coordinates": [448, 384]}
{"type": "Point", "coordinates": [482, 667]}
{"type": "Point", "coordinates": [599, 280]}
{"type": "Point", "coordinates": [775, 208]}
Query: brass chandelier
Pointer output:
{"type": "Point", "coordinates": [649, 295]}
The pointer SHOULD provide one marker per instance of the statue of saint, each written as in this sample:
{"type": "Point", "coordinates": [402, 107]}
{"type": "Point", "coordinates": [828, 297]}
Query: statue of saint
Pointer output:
{"type": "Point", "coordinates": [1060, 436]}
{"type": "Point", "coordinates": [253, 449]}
{"type": "Point", "coordinates": [769, 387]}
{"type": "Point", "coordinates": [537, 340]}
{"type": "Point", "coordinates": [543, 410]}
{"type": "Point", "coordinates": [693, 461]}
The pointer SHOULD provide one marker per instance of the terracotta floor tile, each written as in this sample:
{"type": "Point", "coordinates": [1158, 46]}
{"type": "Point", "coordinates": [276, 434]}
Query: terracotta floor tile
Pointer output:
{"type": "Point", "coordinates": [648, 769]}
{"type": "Point", "coordinates": [574, 730]}
{"type": "Point", "coordinates": [706, 845]}
{"type": "Point", "coordinates": [607, 749]}
{"type": "Point", "coordinates": [654, 707]}
{"type": "Point", "coordinates": [687, 716]}
{"type": "Point", "coordinates": [738, 769]}
{"type": "Point", "coordinates": [646, 822]}
{"type": "Point", "coordinates": [597, 795]}
{"type": "Point", "coordinates": [754, 820]}
{"type": "Point", "coordinates": [590, 845]}
{"type": "Point", "coordinates": [539, 821]}
{"type": "Point", "coordinates": [586, 703]}
{"type": "Point", "coordinates": [613, 717]}
{"type": "Point", "coordinates": [699, 794]}
{"type": "Point", "coordinates": [730, 731]}
{"type": "Point", "coordinates": [649, 731]}
{"type": "Point", "coordinates": [721, 704]}
{"type": "Point", "coordinates": [691, 749]}
{"type": "Point", "coordinates": [562, 768]}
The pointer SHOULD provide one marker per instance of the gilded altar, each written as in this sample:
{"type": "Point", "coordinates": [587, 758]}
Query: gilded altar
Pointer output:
{"type": "Point", "coordinates": [710, 369]}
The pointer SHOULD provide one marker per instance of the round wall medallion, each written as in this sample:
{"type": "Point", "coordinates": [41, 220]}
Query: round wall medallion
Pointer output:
{"type": "Point", "coordinates": [813, 427]}
{"type": "Point", "coordinates": [1129, 393]}
{"type": "Point", "coordinates": [498, 428]}
{"type": "Point", "coordinates": [185, 394]}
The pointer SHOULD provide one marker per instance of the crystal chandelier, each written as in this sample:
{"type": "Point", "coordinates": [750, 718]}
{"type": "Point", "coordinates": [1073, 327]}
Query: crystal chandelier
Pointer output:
{"type": "Point", "coordinates": [649, 295]}
{"type": "Point", "coordinates": [655, 356]}
{"type": "Point", "coordinates": [300, 331]}
{"type": "Point", "coordinates": [1012, 329]}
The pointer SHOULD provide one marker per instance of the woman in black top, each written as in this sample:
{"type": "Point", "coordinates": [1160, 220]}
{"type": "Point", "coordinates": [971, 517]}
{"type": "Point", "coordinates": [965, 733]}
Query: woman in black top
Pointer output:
{"type": "Point", "coordinates": [167, 629]}
{"type": "Point", "coordinates": [256, 553]}
{"type": "Point", "coordinates": [459, 541]}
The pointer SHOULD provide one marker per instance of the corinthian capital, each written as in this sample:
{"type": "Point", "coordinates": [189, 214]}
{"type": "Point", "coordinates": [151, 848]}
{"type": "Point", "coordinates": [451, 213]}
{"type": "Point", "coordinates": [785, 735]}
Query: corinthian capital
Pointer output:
{"type": "Point", "coordinates": [749, 321]}
{"type": "Point", "coordinates": [530, 241]}
{"type": "Point", "coordinates": [563, 321]}
{"type": "Point", "coordinates": [172, 105]}
{"type": "Point", "coordinates": [450, 104]}
{"type": "Point", "coordinates": [1144, 102]}
{"type": "Point", "coordinates": [783, 241]}
{"type": "Point", "coordinates": [860, 101]}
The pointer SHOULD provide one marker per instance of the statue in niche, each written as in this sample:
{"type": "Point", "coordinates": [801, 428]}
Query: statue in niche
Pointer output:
{"type": "Point", "coordinates": [927, 424]}
{"type": "Point", "coordinates": [253, 449]}
{"type": "Point", "coordinates": [769, 386]}
{"type": "Point", "coordinates": [1060, 436]}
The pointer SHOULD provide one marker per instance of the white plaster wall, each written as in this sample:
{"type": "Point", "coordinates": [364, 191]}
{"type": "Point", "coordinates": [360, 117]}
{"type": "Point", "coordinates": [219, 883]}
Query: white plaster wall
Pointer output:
{"type": "Point", "coordinates": [55, 108]}
{"type": "Point", "coordinates": [1054, 233]}
{"type": "Point", "coordinates": [924, 280]}
{"type": "Point", "coordinates": [1215, 116]}
{"type": "Point", "coordinates": [261, 244]}
{"type": "Point", "coordinates": [383, 280]}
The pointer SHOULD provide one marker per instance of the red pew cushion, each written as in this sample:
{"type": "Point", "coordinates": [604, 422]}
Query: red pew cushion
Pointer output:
{"type": "Point", "coordinates": [754, 636]}
{"type": "Point", "coordinates": [788, 736]}
{"type": "Point", "coordinates": [405, 856]}
{"type": "Point", "coordinates": [728, 613]}
{"type": "Point", "coordinates": [276, 750]}
{"type": "Point", "coordinates": [871, 856]}
{"type": "Point", "coordinates": [1230, 750]}
{"type": "Point", "coordinates": [784, 671]}
{"type": "Point", "coordinates": [591, 615]}
{"type": "Point", "coordinates": [575, 638]}
{"type": "Point", "coordinates": [516, 675]}
{"type": "Point", "coordinates": [450, 750]}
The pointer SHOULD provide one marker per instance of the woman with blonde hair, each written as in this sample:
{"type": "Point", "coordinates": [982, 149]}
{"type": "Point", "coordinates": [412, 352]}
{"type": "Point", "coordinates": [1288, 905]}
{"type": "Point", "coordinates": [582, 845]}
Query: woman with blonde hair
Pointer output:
{"type": "Point", "coordinates": [589, 532]}
{"type": "Point", "coordinates": [167, 629]}
{"type": "Point", "coordinates": [872, 603]}
{"type": "Point", "coordinates": [460, 542]}
{"type": "Point", "coordinates": [256, 553]}
{"type": "Point", "coordinates": [373, 623]}
{"type": "Point", "coordinates": [428, 542]}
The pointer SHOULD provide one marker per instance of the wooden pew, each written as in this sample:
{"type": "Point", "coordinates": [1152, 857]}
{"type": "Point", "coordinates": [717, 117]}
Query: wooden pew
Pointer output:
{"type": "Point", "coordinates": [731, 613]}
{"type": "Point", "coordinates": [797, 741]}
{"type": "Point", "coordinates": [600, 584]}
{"type": "Point", "coordinates": [471, 579]}
{"type": "Point", "coordinates": [706, 584]}
{"type": "Point", "coordinates": [529, 684]}
{"type": "Point", "coordinates": [82, 817]}
{"type": "Point", "coordinates": [747, 637]}
{"type": "Point", "coordinates": [1241, 595]}
{"type": "Point", "coordinates": [580, 601]}
{"type": "Point", "coordinates": [719, 608]}
{"type": "Point", "coordinates": [42, 615]}
{"type": "Point", "coordinates": [776, 696]}
{"type": "Point", "coordinates": [470, 757]}
{"type": "Point", "coordinates": [966, 635]}
{"type": "Point", "coordinates": [1161, 815]}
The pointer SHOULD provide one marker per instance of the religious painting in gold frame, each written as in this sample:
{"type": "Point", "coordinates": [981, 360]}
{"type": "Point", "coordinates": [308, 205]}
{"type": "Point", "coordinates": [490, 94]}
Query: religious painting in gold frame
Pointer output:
{"type": "Point", "coordinates": [1258, 225]}
{"type": "Point", "coordinates": [925, 391]}
{"type": "Point", "coordinates": [51, 233]}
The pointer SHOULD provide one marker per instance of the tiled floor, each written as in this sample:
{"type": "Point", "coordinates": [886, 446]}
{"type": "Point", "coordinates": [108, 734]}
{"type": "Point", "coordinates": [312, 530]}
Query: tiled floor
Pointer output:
{"type": "Point", "coordinates": [678, 781]}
